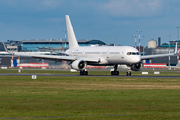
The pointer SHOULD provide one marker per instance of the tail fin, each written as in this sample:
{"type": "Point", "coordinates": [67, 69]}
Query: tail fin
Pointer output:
{"type": "Point", "coordinates": [71, 36]}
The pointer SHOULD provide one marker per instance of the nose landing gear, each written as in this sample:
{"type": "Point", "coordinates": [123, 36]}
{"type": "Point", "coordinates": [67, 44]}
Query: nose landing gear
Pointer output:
{"type": "Point", "coordinates": [129, 72]}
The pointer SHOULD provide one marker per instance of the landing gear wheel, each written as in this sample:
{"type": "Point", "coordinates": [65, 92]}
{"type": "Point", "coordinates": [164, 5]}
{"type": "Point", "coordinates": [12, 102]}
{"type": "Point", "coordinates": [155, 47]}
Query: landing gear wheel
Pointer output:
{"type": "Point", "coordinates": [128, 73]}
{"type": "Point", "coordinates": [114, 72]}
{"type": "Point", "coordinates": [83, 72]}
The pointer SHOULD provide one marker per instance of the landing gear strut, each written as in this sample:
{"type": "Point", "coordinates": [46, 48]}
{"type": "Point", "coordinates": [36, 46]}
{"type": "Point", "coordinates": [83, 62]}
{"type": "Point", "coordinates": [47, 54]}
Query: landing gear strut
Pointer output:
{"type": "Point", "coordinates": [83, 72]}
{"type": "Point", "coordinates": [129, 72]}
{"type": "Point", "coordinates": [115, 72]}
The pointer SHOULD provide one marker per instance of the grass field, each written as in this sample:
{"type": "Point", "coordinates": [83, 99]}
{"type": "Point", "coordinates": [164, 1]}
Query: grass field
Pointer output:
{"type": "Point", "coordinates": [91, 72]}
{"type": "Point", "coordinates": [89, 98]}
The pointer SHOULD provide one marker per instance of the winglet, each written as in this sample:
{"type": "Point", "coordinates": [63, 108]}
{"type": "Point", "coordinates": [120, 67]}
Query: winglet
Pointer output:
{"type": "Point", "coordinates": [71, 36]}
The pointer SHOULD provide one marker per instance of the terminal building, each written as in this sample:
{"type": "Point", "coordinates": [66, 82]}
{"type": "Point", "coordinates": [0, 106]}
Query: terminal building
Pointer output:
{"type": "Point", "coordinates": [41, 46]}
{"type": "Point", "coordinates": [154, 48]}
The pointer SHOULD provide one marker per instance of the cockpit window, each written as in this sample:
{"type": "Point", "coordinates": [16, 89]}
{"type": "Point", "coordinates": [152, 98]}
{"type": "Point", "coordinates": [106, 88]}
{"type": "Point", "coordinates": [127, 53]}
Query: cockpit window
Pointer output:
{"type": "Point", "coordinates": [129, 53]}
{"type": "Point", "coordinates": [132, 53]}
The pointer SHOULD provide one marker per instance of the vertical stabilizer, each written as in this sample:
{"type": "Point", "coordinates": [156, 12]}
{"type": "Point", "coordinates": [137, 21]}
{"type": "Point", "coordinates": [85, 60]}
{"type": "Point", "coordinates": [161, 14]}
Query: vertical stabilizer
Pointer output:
{"type": "Point", "coordinates": [71, 36]}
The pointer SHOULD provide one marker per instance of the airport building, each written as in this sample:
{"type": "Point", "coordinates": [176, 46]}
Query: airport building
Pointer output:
{"type": "Point", "coordinates": [43, 46]}
{"type": "Point", "coordinates": [153, 48]}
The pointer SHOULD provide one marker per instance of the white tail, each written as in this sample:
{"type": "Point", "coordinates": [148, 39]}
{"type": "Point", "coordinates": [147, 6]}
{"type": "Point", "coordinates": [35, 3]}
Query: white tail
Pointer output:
{"type": "Point", "coordinates": [71, 36]}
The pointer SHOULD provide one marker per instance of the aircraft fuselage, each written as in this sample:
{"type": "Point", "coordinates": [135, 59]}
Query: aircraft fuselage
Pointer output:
{"type": "Point", "coordinates": [108, 55]}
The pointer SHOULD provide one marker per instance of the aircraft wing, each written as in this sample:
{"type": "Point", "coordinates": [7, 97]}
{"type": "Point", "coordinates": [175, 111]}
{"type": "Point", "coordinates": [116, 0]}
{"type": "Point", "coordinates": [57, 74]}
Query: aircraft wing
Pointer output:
{"type": "Point", "coordinates": [62, 53]}
{"type": "Point", "coordinates": [59, 58]}
{"type": "Point", "coordinates": [146, 57]}
{"type": "Point", "coordinates": [57, 52]}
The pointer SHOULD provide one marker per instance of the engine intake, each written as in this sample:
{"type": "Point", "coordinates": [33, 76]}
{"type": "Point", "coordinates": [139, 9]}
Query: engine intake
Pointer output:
{"type": "Point", "coordinates": [79, 65]}
{"type": "Point", "coordinates": [137, 66]}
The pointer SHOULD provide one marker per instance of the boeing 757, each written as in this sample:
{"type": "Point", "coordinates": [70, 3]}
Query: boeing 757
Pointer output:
{"type": "Point", "coordinates": [79, 57]}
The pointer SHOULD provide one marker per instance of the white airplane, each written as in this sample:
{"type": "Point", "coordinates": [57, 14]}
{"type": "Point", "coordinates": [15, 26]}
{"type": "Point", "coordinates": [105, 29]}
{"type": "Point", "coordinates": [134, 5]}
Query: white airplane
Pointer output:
{"type": "Point", "coordinates": [80, 57]}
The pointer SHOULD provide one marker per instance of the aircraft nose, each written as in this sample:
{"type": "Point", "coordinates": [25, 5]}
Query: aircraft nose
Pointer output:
{"type": "Point", "coordinates": [137, 59]}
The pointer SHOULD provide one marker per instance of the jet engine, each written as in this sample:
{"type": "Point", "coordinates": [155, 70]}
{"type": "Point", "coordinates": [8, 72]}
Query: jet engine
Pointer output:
{"type": "Point", "coordinates": [137, 66]}
{"type": "Point", "coordinates": [79, 65]}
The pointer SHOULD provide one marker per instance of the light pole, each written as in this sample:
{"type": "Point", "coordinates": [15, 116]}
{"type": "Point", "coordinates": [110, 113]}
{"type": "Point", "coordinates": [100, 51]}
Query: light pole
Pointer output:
{"type": "Point", "coordinates": [143, 45]}
{"type": "Point", "coordinates": [135, 39]}
{"type": "Point", "coordinates": [116, 40]}
{"type": "Point", "coordinates": [65, 40]}
{"type": "Point", "coordinates": [177, 44]}
{"type": "Point", "coordinates": [169, 49]}
{"type": "Point", "coordinates": [139, 39]}
{"type": "Point", "coordinates": [132, 40]}
{"type": "Point", "coordinates": [108, 40]}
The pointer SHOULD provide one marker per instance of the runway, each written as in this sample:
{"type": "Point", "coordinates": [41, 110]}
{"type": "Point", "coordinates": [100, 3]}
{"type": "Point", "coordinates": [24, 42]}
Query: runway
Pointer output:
{"type": "Point", "coordinates": [72, 75]}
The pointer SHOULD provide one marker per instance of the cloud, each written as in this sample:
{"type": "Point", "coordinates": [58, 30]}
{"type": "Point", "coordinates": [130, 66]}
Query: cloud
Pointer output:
{"type": "Point", "coordinates": [133, 8]}
{"type": "Point", "coordinates": [33, 5]}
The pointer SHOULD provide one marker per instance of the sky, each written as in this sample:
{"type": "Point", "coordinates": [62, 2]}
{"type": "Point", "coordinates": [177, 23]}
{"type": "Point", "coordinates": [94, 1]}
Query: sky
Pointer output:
{"type": "Point", "coordinates": [91, 19]}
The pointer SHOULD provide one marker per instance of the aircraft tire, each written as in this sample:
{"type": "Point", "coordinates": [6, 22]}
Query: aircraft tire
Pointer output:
{"type": "Point", "coordinates": [128, 73]}
{"type": "Point", "coordinates": [83, 72]}
{"type": "Point", "coordinates": [114, 72]}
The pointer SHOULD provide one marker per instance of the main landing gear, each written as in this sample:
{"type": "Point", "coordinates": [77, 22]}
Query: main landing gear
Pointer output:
{"type": "Point", "coordinates": [128, 73]}
{"type": "Point", "coordinates": [115, 72]}
{"type": "Point", "coordinates": [83, 72]}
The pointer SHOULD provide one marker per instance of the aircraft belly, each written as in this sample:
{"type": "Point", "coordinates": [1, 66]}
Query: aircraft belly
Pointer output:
{"type": "Point", "coordinates": [116, 60]}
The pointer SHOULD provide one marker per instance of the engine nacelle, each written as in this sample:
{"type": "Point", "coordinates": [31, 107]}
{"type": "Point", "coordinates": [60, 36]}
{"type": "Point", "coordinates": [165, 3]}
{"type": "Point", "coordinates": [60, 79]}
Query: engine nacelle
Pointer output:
{"type": "Point", "coordinates": [79, 65]}
{"type": "Point", "coordinates": [137, 66]}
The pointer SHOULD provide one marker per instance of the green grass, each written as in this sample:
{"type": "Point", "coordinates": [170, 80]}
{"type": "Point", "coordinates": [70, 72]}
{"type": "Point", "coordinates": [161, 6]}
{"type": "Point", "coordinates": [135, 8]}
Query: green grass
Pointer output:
{"type": "Point", "coordinates": [89, 98]}
{"type": "Point", "coordinates": [91, 72]}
